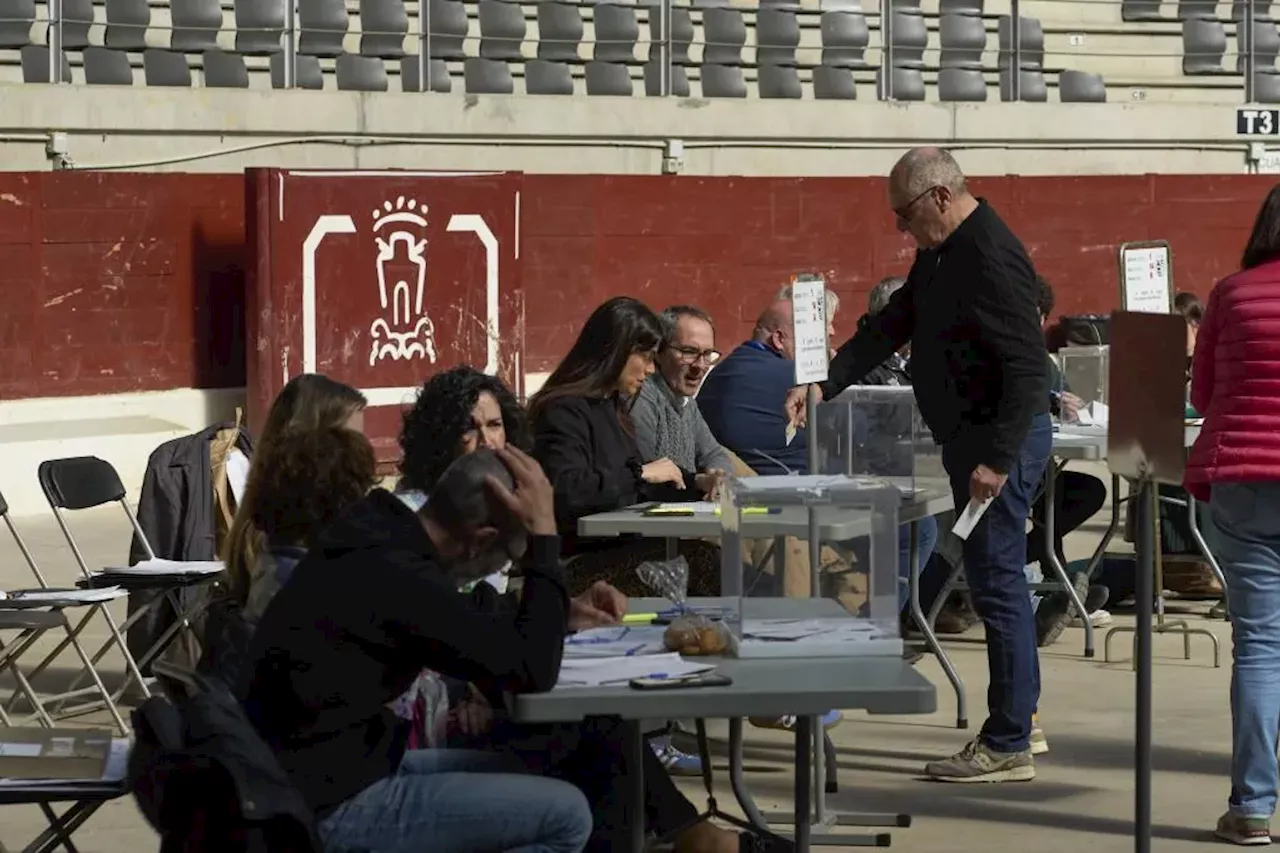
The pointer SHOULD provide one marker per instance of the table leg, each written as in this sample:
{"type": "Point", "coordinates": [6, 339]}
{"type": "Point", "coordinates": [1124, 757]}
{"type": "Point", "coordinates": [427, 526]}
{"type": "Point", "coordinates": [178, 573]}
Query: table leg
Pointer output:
{"type": "Point", "coordinates": [926, 627]}
{"type": "Point", "coordinates": [737, 779]}
{"type": "Point", "coordinates": [780, 561]}
{"type": "Point", "coordinates": [1051, 552]}
{"type": "Point", "coordinates": [672, 547]}
{"type": "Point", "coordinates": [804, 743]}
{"type": "Point", "coordinates": [633, 784]}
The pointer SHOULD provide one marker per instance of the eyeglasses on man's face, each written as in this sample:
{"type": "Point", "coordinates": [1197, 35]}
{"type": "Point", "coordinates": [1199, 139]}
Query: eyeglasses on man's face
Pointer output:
{"type": "Point", "coordinates": [906, 212]}
{"type": "Point", "coordinates": [692, 355]}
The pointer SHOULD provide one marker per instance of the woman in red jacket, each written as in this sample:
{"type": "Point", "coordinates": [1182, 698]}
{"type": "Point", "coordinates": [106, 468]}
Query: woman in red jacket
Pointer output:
{"type": "Point", "coordinates": [1235, 465]}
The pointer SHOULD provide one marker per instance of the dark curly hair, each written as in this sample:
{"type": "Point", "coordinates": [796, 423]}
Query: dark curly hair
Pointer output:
{"type": "Point", "coordinates": [433, 429]}
{"type": "Point", "coordinates": [315, 475]}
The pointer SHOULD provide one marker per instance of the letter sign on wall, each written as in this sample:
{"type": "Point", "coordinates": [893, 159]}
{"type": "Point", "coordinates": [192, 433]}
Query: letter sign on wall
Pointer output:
{"type": "Point", "coordinates": [1251, 121]}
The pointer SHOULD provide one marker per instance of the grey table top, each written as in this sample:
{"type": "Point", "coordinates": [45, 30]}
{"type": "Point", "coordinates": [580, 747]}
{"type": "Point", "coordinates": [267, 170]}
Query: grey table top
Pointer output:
{"type": "Point", "coordinates": [1077, 442]}
{"type": "Point", "coordinates": [835, 524]}
{"type": "Point", "coordinates": [802, 686]}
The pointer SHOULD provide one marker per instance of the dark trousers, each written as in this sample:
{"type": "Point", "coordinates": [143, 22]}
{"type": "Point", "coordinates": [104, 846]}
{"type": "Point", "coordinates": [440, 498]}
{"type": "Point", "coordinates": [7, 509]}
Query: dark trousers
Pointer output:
{"type": "Point", "coordinates": [995, 555]}
{"type": "Point", "coordinates": [1079, 496]}
{"type": "Point", "coordinates": [590, 756]}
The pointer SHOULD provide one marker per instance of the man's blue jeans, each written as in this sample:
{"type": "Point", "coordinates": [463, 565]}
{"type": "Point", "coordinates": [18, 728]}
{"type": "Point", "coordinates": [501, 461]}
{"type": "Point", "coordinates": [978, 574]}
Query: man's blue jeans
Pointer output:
{"type": "Point", "coordinates": [1245, 535]}
{"type": "Point", "coordinates": [926, 538]}
{"type": "Point", "coordinates": [995, 556]}
{"type": "Point", "coordinates": [460, 801]}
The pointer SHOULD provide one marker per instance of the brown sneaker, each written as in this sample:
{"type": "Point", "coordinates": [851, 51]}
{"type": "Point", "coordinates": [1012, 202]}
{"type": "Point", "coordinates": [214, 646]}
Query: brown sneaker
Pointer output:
{"type": "Point", "coordinates": [1245, 831]}
{"type": "Point", "coordinates": [1194, 581]}
{"type": "Point", "coordinates": [979, 763]}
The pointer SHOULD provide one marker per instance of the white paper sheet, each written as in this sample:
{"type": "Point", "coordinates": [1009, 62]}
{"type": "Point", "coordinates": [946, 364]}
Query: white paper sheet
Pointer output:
{"type": "Point", "coordinates": [58, 596]}
{"type": "Point", "coordinates": [617, 671]}
{"type": "Point", "coordinates": [796, 630]}
{"type": "Point", "coordinates": [112, 771]}
{"type": "Point", "coordinates": [969, 519]}
{"type": "Point", "coordinates": [695, 507]}
{"type": "Point", "coordinates": [614, 642]}
{"type": "Point", "coordinates": [237, 466]}
{"type": "Point", "coordinates": [167, 567]}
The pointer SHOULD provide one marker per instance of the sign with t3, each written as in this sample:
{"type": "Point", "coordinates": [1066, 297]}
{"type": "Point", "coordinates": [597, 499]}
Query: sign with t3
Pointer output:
{"type": "Point", "coordinates": [1252, 121]}
{"type": "Point", "coordinates": [809, 318]}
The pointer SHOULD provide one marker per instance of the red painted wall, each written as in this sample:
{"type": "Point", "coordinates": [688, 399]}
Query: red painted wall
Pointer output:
{"type": "Point", "coordinates": [129, 282]}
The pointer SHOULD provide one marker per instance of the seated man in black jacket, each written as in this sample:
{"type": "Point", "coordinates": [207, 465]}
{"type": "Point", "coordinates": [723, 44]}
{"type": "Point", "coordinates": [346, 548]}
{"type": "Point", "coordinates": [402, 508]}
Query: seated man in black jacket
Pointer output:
{"type": "Point", "coordinates": [373, 604]}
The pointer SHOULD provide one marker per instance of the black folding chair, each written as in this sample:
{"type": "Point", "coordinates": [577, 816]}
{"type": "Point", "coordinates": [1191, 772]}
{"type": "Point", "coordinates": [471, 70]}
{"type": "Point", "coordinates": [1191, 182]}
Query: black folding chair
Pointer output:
{"type": "Point", "coordinates": [85, 482]}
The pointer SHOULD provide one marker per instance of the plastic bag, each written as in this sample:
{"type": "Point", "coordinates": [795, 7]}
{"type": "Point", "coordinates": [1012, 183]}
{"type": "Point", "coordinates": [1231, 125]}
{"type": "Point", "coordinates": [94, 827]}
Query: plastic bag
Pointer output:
{"type": "Point", "coordinates": [668, 578]}
{"type": "Point", "coordinates": [694, 635]}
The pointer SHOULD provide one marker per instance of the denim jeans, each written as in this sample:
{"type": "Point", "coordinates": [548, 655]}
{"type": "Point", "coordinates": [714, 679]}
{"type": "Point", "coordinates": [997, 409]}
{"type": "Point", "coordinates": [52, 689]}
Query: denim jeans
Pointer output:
{"type": "Point", "coordinates": [926, 538]}
{"type": "Point", "coordinates": [460, 801]}
{"type": "Point", "coordinates": [995, 558]}
{"type": "Point", "coordinates": [1244, 532]}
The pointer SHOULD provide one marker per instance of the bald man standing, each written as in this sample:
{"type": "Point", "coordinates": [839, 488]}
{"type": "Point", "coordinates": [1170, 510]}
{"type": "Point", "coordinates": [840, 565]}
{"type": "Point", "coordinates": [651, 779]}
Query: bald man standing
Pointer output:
{"type": "Point", "coordinates": [978, 366]}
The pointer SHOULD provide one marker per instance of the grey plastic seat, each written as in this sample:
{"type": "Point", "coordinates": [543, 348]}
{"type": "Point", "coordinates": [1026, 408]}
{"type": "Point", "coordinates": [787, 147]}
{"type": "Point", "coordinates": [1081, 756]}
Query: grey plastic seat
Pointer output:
{"type": "Point", "coordinates": [845, 34]}
{"type": "Point", "coordinates": [908, 84]}
{"type": "Point", "coordinates": [1197, 10]}
{"type": "Point", "coordinates": [259, 24]}
{"type": "Point", "coordinates": [1261, 10]}
{"type": "Point", "coordinates": [779, 81]}
{"type": "Point", "coordinates": [106, 67]}
{"type": "Point", "coordinates": [306, 72]}
{"type": "Point", "coordinates": [224, 70]}
{"type": "Point", "coordinates": [961, 84]}
{"type": "Point", "coordinates": [324, 25]}
{"type": "Point", "coordinates": [777, 37]}
{"type": "Point", "coordinates": [1266, 87]}
{"type": "Point", "coordinates": [609, 78]}
{"type": "Point", "coordinates": [77, 18]}
{"type": "Point", "coordinates": [502, 30]}
{"type": "Point", "coordinates": [16, 20]}
{"type": "Point", "coordinates": [1030, 42]}
{"type": "Point", "coordinates": [973, 8]}
{"type": "Point", "coordinates": [1081, 87]}
{"type": "Point", "coordinates": [722, 81]}
{"type": "Point", "coordinates": [356, 73]}
{"type": "Point", "coordinates": [447, 30]}
{"type": "Point", "coordinates": [616, 32]}
{"type": "Point", "coordinates": [1203, 45]}
{"type": "Point", "coordinates": [963, 39]}
{"type": "Point", "coordinates": [559, 32]}
{"type": "Point", "coordinates": [383, 26]}
{"type": "Point", "coordinates": [437, 72]}
{"type": "Point", "coordinates": [542, 77]}
{"type": "Point", "coordinates": [127, 22]}
{"type": "Point", "coordinates": [835, 84]}
{"type": "Point", "coordinates": [1031, 86]}
{"type": "Point", "coordinates": [196, 24]}
{"type": "Point", "coordinates": [653, 80]}
{"type": "Point", "coordinates": [1266, 45]}
{"type": "Point", "coordinates": [166, 68]}
{"type": "Point", "coordinates": [682, 34]}
{"type": "Point", "coordinates": [1140, 10]}
{"type": "Point", "coordinates": [909, 37]}
{"type": "Point", "coordinates": [35, 65]}
{"type": "Point", "coordinates": [482, 76]}
{"type": "Point", "coordinates": [724, 34]}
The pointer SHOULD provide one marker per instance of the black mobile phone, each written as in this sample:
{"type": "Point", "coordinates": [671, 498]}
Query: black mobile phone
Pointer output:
{"type": "Point", "coordinates": [702, 679]}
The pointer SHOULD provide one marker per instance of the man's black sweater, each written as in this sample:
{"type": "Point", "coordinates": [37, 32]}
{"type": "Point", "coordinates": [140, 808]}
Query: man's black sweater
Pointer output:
{"type": "Point", "coordinates": [362, 615]}
{"type": "Point", "coordinates": [977, 354]}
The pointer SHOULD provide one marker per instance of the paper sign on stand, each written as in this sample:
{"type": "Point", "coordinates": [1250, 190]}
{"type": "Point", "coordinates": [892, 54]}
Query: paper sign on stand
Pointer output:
{"type": "Point", "coordinates": [1146, 277]}
{"type": "Point", "coordinates": [809, 318]}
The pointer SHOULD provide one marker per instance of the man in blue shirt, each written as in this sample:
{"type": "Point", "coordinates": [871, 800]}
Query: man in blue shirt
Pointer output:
{"type": "Point", "coordinates": [740, 399]}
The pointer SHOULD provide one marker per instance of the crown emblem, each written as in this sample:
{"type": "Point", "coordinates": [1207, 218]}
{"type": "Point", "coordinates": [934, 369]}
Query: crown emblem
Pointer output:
{"type": "Point", "coordinates": [399, 228]}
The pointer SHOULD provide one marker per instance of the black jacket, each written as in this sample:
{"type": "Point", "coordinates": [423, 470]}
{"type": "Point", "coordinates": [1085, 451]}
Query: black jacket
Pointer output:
{"type": "Point", "coordinates": [978, 362]}
{"type": "Point", "coordinates": [593, 463]}
{"type": "Point", "coordinates": [208, 784]}
{"type": "Point", "coordinates": [363, 614]}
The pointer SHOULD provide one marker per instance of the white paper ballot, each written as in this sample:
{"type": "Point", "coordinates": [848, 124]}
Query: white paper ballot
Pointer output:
{"type": "Point", "coordinates": [970, 517]}
{"type": "Point", "coordinates": [791, 434]}
{"type": "Point", "coordinates": [617, 671]}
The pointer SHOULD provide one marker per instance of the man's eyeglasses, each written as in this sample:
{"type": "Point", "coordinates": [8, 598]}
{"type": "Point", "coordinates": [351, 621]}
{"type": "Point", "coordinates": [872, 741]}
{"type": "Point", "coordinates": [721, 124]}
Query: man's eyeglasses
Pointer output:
{"type": "Point", "coordinates": [904, 213]}
{"type": "Point", "coordinates": [690, 355]}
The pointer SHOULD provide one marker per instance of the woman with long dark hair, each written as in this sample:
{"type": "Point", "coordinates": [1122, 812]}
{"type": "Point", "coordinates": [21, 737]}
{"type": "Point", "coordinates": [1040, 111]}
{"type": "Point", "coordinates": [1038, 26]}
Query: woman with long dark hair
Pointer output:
{"type": "Point", "coordinates": [584, 438]}
{"type": "Point", "coordinates": [1235, 466]}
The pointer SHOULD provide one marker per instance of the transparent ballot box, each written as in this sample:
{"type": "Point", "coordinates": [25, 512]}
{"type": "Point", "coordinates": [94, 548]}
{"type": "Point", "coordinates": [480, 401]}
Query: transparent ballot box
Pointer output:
{"type": "Point", "coordinates": [767, 525]}
{"type": "Point", "coordinates": [877, 431]}
{"type": "Point", "coordinates": [1084, 370]}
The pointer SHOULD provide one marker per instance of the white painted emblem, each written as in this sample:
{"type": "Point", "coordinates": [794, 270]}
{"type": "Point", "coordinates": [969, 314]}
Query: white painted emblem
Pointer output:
{"type": "Point", "coordinates": [399, 228]}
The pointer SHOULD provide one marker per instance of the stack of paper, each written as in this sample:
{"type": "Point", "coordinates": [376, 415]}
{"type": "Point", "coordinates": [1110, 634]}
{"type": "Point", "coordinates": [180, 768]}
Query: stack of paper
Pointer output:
{"type": "Point", "coordinates": [167, 567]}
{"type": "Point", "coordinates": [624, 641]}
{"type": "Point", "coordinates": [617, 671]}
{"type": "Point", "coordinates": [113, 767]}
{"type": "Point", "coordinates": [796, 630]}
{"type": "Point", "coordinates": [49, 597]}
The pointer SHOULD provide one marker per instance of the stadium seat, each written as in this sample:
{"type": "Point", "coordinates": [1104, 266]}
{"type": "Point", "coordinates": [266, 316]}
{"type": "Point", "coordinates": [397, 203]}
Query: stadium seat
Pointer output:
{"type": "Point", "coordinates": [724, 35]}
{"type": "Point", "coordinates": [1031, 86]}
{"type": "Point", "coordinates": [963, 39]}
{"type": "Point", "coordinates": [306, 72]}
{"type": "Point", "coordinates": [447, 30]}
{"type": "Point", "coordinates": [323, 25]}
{"type": "Point", "coordinates": [845, 34]}
{"type": "Point", "coordinates": [777, 37]}
{"type": "Point", "coordinates": [833, 84]}
{"type": "Point", "coordinates": [35, 64]}
{"type": "Point", "coordinates": [547, 78]}
{"type": "Point", "coordinates": [224, 70]}
{"type": "Point", "coordinates": [106, 67]}
{"type": "Point", "coordinates": [165, 68]}
{"type": "Point", "coordinates": [559, 32]}
{"type": "Point", "coordinates": [196, 24]}
{"type": "Point", "coordinates": [1030, 42]}
{"type": "Point", "coordinates": [502, 30]}
{"type": "Point", "coordinates": [909, 36]}
{"type": "Point", "coordinates": [722, 81]}
{"type": "Point", "coordinates": [482, 76]}
{"type": "Point", "coordinates": [15, 23]}
{"type": "Point", "coordinates": [77, 18]}
{"type": "Point", "coordinates": [437, 72]}
{"type": "Point", "coordinates": [259, 25]}
{"type": "Point", "coordinates": [1261, 10]}
{"type": "Point", "coordinates": [383, 27]}
{"type": "Point", "coordinates": [907, 84]}
{"type": "Point", "coordinates": [608, 78]}
{"type": "Point", "coordinates": [1140, 10]}
{"type": "Point", "coordinates": [616, 34]}
{"type": "Point", "coordinates": [653, 80]}
{"type": "Point", "coordinates": [127, 23]}
{"type": "Point", "coordinates": [1203, 45]}
{"type": "Point", "coordinates": [1081, 87]}
{"type": "Point", "coordinates": [356, 73]}
{"type": "Point", "coordinates": [1266, 45]}
{"type": "Point", "coordinates": [972, 8]}
{"type": "Point", "coordinates": [779, 81]}
{"type": "Point", "coordinates": [961, 84]}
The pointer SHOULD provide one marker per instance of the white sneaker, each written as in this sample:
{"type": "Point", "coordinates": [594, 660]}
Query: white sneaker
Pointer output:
{"type": "Point", "coordinates": [1099, 618]}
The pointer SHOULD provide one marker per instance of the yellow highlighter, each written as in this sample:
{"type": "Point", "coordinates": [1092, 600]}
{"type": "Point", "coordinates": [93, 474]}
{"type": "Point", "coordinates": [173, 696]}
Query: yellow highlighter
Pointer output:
{"type": "Point", "coordinates": [639, 618]}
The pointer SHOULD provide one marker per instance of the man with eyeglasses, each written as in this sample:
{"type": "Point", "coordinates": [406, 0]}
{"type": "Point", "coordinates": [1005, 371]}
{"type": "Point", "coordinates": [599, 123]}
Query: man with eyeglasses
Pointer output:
{"type": "Point", "coordinates": [969, 311]}
{"type": "Point", "coordinates": [668, 423]}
